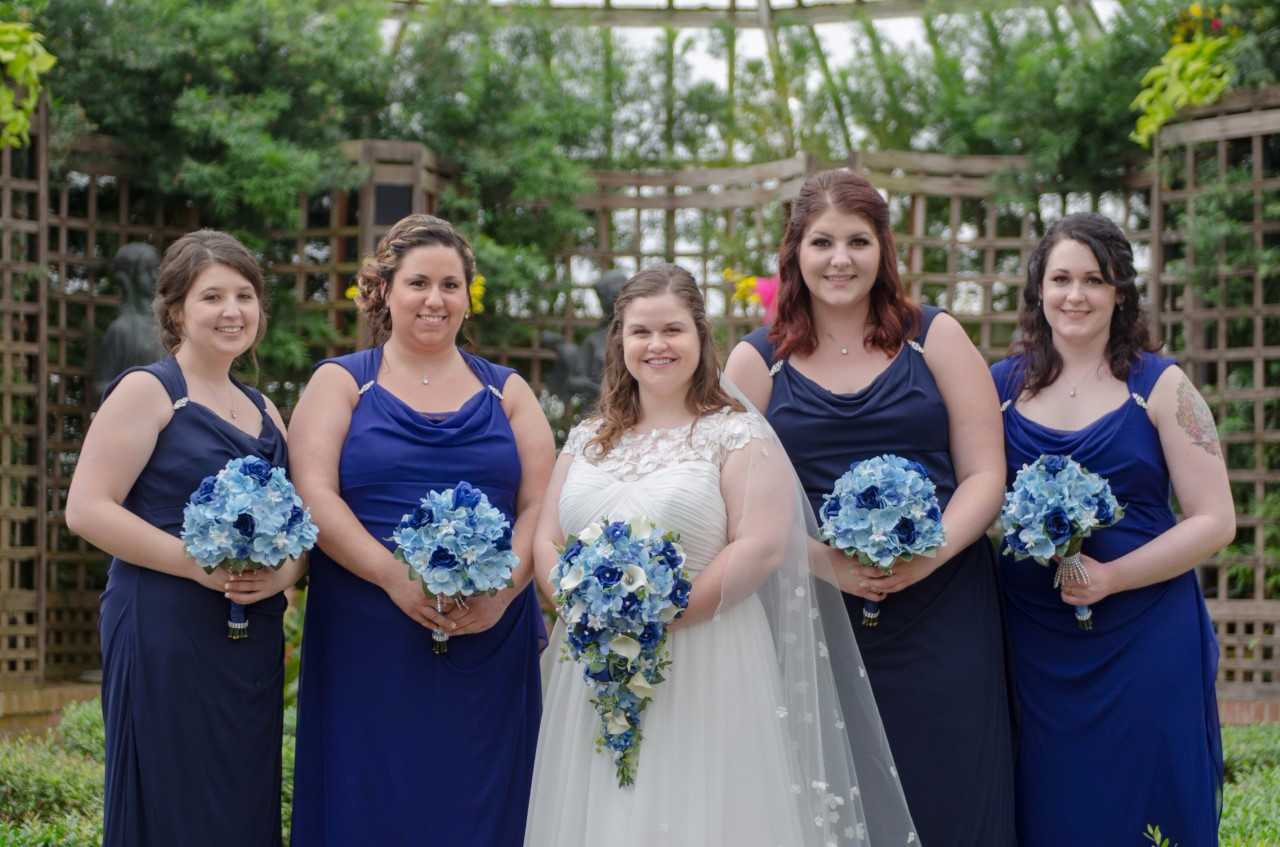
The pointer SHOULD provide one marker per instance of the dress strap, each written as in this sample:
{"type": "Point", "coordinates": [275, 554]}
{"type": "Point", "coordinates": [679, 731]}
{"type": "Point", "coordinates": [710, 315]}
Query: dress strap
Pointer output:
{"type": "Point", "coordinates": [362, 365]}
{"type": "Point", "coordinates": [927, 314]}
{"type": "Point", "coordinates": [1145, 373]}
{"type": "Point", "coordinates": [166, 371]}
{"type": "Point", "coordinates": [759, 339]}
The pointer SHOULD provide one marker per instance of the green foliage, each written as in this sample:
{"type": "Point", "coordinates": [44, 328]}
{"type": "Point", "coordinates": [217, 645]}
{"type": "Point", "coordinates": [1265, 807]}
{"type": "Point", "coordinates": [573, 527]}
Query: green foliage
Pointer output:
{"type": "Point", "coordinates": [69, 830]}
{"type": "Point", "coordinates": [39, 779]}
{"type": "Point", "coordinates": [1251, 797]}
{"type": "Point", "coordinates": [294, 617]}
{"type": "Point", "coordinates": [1190, 74]}
{"type": "Point", "coordinates": [1157, 838]}
{"type": "Point", "coordinates": [80, 730]}
{"type": "Point", "coordinates": [237, 105]}
{"type": "Point", "coordinates": [23, 61]}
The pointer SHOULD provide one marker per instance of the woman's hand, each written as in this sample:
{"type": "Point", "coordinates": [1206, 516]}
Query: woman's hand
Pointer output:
{"type": "Point", "coordinates": [480, 613]}
{"type": "Point", "coordinates": [409, 598]}
{"type": "Point", "coordinates": [252, 586]}
{"type": "Point", "coordinates": [215, 580]}
{"type": "Point", "coordinates": [902, 574]}
{"type": "Point", "coordinates": [1102, 583]}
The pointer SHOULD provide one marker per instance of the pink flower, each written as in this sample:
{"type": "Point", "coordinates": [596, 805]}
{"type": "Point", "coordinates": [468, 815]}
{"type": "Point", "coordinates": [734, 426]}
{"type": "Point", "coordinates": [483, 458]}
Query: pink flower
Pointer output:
{"type": "Point", "coordinates": [767, 291]}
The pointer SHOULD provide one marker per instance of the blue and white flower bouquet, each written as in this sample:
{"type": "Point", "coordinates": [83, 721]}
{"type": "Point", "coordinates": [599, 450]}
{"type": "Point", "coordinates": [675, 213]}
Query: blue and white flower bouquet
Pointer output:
{"type": "Point", "coordinates": [246, 517]}
{"type": "Point", "coordinates": [618, 585]}
{"type": "Point", "coordinates": [457, 544]}
{"type": "Point", "coordinates": [882, 510]}
{"type": "Point", "coordinates": [1054, 504]}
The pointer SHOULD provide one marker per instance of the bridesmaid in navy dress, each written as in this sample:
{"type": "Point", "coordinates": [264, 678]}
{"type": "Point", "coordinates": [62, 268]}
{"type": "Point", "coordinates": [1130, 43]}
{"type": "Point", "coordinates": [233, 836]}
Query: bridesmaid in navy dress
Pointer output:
{"type": "Point", "coordinates": [1119, 725]}
{"type": "Point", "coordinates": [851, 369]}
{"type": "Point", "coordinates": [397, 745]}
{"type": "Point", "coordinates": [193, 719]}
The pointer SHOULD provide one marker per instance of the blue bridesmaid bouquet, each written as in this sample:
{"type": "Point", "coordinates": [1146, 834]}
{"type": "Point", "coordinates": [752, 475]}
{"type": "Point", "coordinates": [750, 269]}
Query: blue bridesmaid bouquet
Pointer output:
{"type": "Point", "coordinates": [618, 585]}
{"type": "Point", "coordinates": [880, 511]}
{"type": "Point", "coordinates": [457, 544]}
{"type": "Point", "coordinates": [246, 517]}
{"type": "Point", "coordinates": [1054, 505]}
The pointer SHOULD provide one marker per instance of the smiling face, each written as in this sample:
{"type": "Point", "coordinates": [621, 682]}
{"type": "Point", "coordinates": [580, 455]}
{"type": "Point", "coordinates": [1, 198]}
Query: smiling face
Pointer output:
{"type": "Point", "coordinates": [660, 344]}
{"type": "Point", "coordinates": [839, 258]}
{"type": "Point", "coordinates": [221, 313]}
{"type": "Point", "coordinates": [1077, 301]}
{"type": "Point", "coordinates": [428, 296]}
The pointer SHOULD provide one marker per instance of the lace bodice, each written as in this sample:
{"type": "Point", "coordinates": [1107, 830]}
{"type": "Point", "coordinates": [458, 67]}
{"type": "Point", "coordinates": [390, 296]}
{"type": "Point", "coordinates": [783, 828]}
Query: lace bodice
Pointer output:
{"type": "Point", "coordinates": [685, 497]}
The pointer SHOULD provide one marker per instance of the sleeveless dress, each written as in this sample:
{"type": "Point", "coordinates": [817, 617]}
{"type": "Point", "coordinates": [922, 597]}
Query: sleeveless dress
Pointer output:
{"type": "Point", "coordinates": [397, 745]}
{"type": "Point", "coordinates": [936, 660]}
{"type": "Point", "coordinates": [713, 766]}
{"type": "Point", "coordinates": [1119, 725]}
{"type": "Point", "coordinates": [193, 719]}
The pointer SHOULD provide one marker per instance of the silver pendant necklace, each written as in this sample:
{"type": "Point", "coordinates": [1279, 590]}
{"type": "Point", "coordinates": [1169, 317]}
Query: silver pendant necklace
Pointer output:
{"type": "Point", "coordinates": [844, 350]}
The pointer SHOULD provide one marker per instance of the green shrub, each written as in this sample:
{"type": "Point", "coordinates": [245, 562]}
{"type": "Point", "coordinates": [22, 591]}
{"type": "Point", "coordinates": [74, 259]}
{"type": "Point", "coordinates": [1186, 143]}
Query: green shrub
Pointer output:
{"type": "Point", "coordinates": [80, 730]}
{"type": "Point", "coordinates": [1250, 748]}
{"type": "Point", "coordinates": [40, 780]}
{"type": "Point", "coordinates": [1251, 809]}
{"type": "Point", "coordinates": [71, 830]}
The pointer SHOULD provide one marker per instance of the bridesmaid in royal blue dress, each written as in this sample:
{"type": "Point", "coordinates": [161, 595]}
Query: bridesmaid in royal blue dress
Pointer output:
{"type": "Point", "coordinates": [851, 369]}
{"type": "Point", "coordinates": [397, 745]}
{"type": "Point", "coordinates": [193, 719]}
{"type": "Point", "coordinates": [1119, 725]}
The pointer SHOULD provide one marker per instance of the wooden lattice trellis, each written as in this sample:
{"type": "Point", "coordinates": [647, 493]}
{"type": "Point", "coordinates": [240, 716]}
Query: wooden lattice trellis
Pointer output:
{"type": "Point", "coordinates": [1218, 173]}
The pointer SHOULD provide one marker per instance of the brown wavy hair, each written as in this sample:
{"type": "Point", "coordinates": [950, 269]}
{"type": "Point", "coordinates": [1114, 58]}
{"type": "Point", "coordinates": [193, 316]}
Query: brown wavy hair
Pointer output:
{"type": "Point", "coordinates": [1129, 334]}
{"type": "Point", "coordinates": [377, 271]}
{"type": "Point", "coordinates": [619, 405]}
{"type": "Point", "coordinates": [892, 318]}
{"type": "Point", "coordinates": [186, 259]}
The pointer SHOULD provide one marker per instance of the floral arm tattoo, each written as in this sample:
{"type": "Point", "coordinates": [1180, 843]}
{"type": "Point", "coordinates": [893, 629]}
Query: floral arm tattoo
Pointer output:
{"type": "Point", "coordinates": [1196, 420]}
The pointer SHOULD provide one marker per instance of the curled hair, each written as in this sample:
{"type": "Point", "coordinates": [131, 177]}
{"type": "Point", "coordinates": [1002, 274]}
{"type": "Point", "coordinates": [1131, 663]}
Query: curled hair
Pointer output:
{"type": "Point", "coordinates": [186, 259]}
{"type": "Point", "coordinates": [1129, 334]}
{"type": "Point", "coordinates": [377, 271]}
{"type": "Point", "coordinates": [892, 317]}
{"type": "Point", "coordinates": [619, 405]}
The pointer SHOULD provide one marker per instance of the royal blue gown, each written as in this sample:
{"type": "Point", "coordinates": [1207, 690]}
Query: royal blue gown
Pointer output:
{"type": "Point", "coordinates": [193, 719]}
{"type": "Point", "coordinates": [936, 661]}
{"type": "Point", "coordinates": [397, 745]}
{"type": "Point", "coordinates": [1118, 725]}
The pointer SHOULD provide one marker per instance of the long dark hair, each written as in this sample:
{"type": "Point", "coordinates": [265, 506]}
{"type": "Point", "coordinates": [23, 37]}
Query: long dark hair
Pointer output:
{"type": "Point", "coordinates": [619, 404]}
{"type": "Point", "coordinates": [1129, 334]}
{"type": "Point", "coordinates": [892, 317]}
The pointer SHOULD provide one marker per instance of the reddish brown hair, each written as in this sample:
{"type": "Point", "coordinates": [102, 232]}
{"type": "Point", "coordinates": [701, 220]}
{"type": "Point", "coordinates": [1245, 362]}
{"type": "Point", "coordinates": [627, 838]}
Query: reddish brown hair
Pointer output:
{"type": "Point", "coordinates": [892, 318]}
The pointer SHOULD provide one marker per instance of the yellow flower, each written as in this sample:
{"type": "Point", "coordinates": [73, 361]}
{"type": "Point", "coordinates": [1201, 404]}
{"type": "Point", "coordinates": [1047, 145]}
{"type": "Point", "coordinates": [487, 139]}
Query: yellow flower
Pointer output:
{"type": "Point", "coordinates": [745, 290]}
{"type": "Point", "coordinates": [353, 291]}
{"type": "Point", "coordinates": [477, 294]}
{"type": "Point", "coordinates": [1195, 10]}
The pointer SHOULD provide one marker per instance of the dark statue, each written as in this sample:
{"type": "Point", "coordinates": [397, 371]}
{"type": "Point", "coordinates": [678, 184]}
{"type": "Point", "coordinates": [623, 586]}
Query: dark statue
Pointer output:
{"type": "Point", "coordinates": [133, 337]}
{"type": "Point", "coordinates": [580, 367]}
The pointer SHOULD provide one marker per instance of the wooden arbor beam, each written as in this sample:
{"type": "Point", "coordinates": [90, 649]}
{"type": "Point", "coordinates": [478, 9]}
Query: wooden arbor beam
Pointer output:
{"type": "Point", "coordinates": [748, 17]}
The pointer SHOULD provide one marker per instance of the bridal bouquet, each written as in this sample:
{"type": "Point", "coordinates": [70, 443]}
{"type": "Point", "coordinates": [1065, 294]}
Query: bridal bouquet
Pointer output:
{"type": "Point", "coordinates": [458, 545]}
{"type": "Point", "coordinates": [246, 517]}
{"type": "Point", "coordinates": [618, 584]}
{"type": "Point", "coordinates": [1055, 504]}
{"type": "Point", "coordinates": [882, 510]}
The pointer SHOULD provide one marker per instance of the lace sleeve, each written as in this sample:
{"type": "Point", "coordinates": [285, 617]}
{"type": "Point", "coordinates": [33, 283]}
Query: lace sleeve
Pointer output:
{"type": "Point", "coordinates": [580, 436]}
{"type": "Point", "coordinates": [738, 429]}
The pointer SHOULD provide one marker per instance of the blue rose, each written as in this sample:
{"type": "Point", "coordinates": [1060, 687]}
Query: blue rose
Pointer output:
{"type": "Point", "coordinates": [601, 675]}
{"type": "Point", "coordinates": [422, 516]}
{"type": "Point", "coordinates": [669, 555]}
{"type": "Point", "coordinates": [830, 509]}
{"type": "Point", "coordinates": [583, 636]}
{"type": "Point", "coordinates": [608, 576]}
{"type": "Point", "coordinates": [680, 593]}
{"type": "Point", "coordinates": [617, 531]}
{"type": "Point", "coordinates": [1015, 542]}
{"type": "Point", "coordinates": [204, 494]}
{"type": "Point", "coordinates": [504, 540]}
{"type": "Point", "coordinates": [442, 558]}
{"type": "Point", "coordinates": [571, 551]}
{"type": "Point", "coordinates": [1054, 464]}
{"type": "Point", "coordinates": [1103, 510]}
{"type": "Point", "coordinates": [1057, 525]}
{"type": "Point", "coordinates": [933, 514]}
{"type": "Point", "coordinates": [245, 526]}
{"type": "Point", "coordinates": [295, 518]}
{"type": "Point", "coordinates": [466, 496]}
{"type": "Point", "coordinates": [906, 531]}
{"type": "Point", "coordinates": [869, 498]}
{"type": "Point", "coordinates": [630, 603]}
{"type": "Point", "coordinates": [651, 635]}
{"type": "Point", "coordinates": [257, 469]}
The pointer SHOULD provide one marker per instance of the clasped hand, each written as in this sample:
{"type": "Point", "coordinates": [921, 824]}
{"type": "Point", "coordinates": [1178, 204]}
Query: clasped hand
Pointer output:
{"type": "Point", "coordinates": [444, 614]}
{"type": "Point", "coordinates": [251, 586]}
{"type": "Point", "coordinates": [1101, 584]}
{"type": "Point", "coordinates": [872, 583]}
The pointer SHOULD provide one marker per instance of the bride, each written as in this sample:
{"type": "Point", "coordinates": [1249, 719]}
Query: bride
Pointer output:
{"type": "Point", "coordinates": [751, 741]}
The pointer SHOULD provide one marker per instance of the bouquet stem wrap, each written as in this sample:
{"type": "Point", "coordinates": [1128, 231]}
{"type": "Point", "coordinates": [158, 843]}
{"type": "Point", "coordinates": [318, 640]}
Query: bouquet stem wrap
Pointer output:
{"type": "Point", "coordinates": [1071, 569]}
{"type": "Point", "coordinates": [237, 623]}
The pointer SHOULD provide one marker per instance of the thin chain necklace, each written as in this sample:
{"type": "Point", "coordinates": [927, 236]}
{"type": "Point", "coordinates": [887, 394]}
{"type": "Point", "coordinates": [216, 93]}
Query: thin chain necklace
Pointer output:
{"type": "Point", "coordinates": [1075, 385]}
{"type": "Point", "coordinates": [844, 349]}
{"type": "Point", "coordinates": [426, 378]}
{"type": "Point", "coordinates": [231, 406]}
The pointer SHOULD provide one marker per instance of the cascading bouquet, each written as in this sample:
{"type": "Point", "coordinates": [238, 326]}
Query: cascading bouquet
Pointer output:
{"type": "Point", "coordinates": [880, 511]}
{"type": "Point", "coordinates": [618, 585]}
{"type": "Point", "coordinates": [1054, 504]}
{"type": "Point", "coordinates": [246, 517]}
{"type": "Point", "coordinates": [457, 544]}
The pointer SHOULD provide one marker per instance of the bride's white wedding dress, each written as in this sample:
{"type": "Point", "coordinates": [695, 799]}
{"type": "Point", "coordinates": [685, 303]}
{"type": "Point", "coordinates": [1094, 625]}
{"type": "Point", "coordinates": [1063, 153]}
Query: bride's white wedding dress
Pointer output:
{"type": "Point", "coordinates": [717, 765]}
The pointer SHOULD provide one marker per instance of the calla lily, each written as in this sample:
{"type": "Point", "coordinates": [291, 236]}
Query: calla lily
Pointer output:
{"type": "Point", "coordinates": [590, 533]}
{"type": "Point", "coordinates": [617, 723]}
{"type": "Point", "coordinates": [668, 614]}
{"type": "Point", "coordinates": [640, 686]}
{"type": "Point", "coordinates": [571, 578]}
{"type": "Point", "coordinates": [625, 646]}
{"type": "Point", "coordinates": [633, 578]}
{"type": "Point", "coordinates": [575, 614]}
{"type": "Point", "coordinates": [641, 527]}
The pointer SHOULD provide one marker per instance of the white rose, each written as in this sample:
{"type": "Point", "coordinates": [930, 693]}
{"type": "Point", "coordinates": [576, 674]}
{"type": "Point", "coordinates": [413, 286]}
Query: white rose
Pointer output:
{"type": "Point", "coordinates": [633, 578]}
{"type": "Point", "coordinates": [625, 646]}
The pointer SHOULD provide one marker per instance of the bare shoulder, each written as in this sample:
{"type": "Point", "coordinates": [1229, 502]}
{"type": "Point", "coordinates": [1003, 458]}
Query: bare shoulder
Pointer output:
{"type": "Point", "coordinates": [747, 370]}
{"type": "Point", "coordinates": [139, 393]}
{"type": "Point", "coordinates": [517, 394]}
{"type": "Point", "coordinates": [946, 336]}
{"type": "Point", "coordinates": [1174, 399]}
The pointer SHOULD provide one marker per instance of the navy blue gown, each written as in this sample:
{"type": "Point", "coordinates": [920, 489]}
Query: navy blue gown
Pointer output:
{"type": "Point", "coordinates": [193, 719]}
{"type": "Point", "coordinates": [936, 660]}
{"type": "Point", "coordinates": [1119, 725]}
{"type": "Point", "coordinates": [397, 745]}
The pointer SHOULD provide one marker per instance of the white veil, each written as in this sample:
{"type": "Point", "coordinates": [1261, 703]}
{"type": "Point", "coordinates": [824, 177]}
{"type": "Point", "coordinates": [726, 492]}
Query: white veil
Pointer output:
{"type": "Point", "coordinates": [842, 772]}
